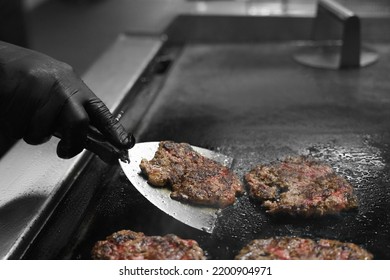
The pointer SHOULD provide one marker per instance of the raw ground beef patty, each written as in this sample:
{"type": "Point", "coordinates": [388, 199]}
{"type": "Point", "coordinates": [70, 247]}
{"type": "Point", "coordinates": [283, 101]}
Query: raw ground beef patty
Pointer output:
{"type": "Point", "coordinates": [295, 248]}
{"type": "Point", "coordinates": [191, 176]}
{"type": "Point", "coordinates": [300, 186]}
{"type": "Point", "coordinates": [130, 245]}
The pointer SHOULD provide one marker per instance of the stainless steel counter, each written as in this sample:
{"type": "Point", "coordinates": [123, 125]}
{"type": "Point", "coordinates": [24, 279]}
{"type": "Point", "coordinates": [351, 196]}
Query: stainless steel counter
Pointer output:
{"type": "Point", "coordinates": [33, 179]}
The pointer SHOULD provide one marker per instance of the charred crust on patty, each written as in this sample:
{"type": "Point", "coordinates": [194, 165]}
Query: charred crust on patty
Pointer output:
{"type": "Point", "coordinates": [296, 248]}
{"type": "Point", "coordinates": [130, 245]}
{"type": "Point", "coordinates": [191, 177]}
{"type": "Point", "coordinates": [300, 186]}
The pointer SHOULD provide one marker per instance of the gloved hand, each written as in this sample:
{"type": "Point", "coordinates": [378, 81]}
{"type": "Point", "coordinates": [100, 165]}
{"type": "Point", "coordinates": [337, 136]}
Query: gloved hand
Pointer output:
{"type": "Point", "coordinates": [40, 96]}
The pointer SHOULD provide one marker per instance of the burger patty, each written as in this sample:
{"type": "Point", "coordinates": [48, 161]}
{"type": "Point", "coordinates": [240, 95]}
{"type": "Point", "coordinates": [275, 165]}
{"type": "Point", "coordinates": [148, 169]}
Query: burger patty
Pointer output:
{"type": "Point", "coordinates": [300, 186]}
{"type": "Point", "coordinates": [130, 245]}
{"type": "Point", "coordinates": [191, 176]}
{"type": "Point", "coordinates": [295, 248]}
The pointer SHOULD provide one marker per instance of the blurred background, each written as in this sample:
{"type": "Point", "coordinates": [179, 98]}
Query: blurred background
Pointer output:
{"type": "Point", "coordinates": [78, 31]}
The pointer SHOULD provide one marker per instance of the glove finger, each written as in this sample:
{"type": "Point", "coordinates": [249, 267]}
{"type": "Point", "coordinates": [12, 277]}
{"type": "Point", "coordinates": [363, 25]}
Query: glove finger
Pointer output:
{"type": "Point", "coordinates": [73, 124]}
{"type": "Point", "coordinates": [103, 120]}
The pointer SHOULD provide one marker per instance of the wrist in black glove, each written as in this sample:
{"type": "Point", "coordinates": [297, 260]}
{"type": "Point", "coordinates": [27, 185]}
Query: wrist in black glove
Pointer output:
{"type": "Point", "coordinates": [40, 95]}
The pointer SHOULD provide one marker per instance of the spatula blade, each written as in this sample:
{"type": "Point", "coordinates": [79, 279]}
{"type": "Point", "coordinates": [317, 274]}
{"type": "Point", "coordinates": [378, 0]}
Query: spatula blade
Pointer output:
{"type": "Point", "coordinates": [199, 217]}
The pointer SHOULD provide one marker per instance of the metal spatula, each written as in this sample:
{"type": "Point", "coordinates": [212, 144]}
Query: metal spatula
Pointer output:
{"type": "Point", "coordinates": [199, 217]}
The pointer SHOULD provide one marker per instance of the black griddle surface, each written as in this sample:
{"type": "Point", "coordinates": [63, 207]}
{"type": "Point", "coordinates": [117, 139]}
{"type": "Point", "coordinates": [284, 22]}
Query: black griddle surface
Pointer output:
{"type": "Point", "coordinates": [254, 103]}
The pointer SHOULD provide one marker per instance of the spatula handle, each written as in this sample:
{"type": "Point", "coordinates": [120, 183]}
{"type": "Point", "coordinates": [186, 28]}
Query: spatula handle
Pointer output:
{"type": "Point", "coordinates": [98, 144]}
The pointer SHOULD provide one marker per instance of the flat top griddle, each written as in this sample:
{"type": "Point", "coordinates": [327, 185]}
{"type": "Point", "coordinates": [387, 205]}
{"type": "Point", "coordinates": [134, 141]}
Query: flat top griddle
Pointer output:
{"type": "Point", "coordinates": [254, 103]}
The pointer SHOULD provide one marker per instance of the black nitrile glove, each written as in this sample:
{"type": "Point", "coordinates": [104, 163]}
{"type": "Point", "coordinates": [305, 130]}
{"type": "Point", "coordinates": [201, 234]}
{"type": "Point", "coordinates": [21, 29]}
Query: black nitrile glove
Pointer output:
{"type": "Point", "coordinates": [40, 96]}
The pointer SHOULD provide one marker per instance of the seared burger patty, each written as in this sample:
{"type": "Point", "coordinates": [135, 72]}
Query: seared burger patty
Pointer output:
{"type": "Point", "coordinates": [300, 187]}
{"type": "Point", "coordinates": [130, 245]}
{"type": "Point", "coordinates": [191, 176]}
{"type": "Point", "coordinates": [295, 248]}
